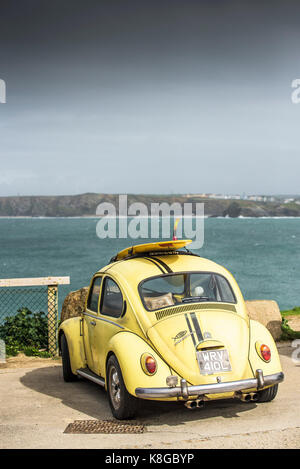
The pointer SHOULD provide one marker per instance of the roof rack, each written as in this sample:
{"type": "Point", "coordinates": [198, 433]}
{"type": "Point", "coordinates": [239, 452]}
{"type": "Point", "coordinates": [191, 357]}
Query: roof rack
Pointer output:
{"type": "Point", "coordinates": [157, 246]}
{"type": "Point", "coordinates": [155, 253]}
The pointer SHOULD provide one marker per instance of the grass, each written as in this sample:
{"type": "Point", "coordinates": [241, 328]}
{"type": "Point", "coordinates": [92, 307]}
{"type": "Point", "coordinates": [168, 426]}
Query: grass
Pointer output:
{"type": "Point", "coordinates": [291, 312]}
{"type": "Point", "coordinates": [287, 332]}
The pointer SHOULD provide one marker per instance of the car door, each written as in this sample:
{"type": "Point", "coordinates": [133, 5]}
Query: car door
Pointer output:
{"type": "Point", "coordinates": [91, 321]}
{"type": "Point", "coordinates": [112, 307]}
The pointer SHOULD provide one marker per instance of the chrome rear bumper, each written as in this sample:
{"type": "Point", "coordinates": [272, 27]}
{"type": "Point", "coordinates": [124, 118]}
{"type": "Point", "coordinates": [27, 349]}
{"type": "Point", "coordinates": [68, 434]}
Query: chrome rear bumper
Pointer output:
{"type": "Point", "coordinates": [184, 391]}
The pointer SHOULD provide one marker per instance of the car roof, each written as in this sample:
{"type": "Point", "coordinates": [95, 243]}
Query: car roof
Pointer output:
{"type": "Point", "coordinates": [136, 269]}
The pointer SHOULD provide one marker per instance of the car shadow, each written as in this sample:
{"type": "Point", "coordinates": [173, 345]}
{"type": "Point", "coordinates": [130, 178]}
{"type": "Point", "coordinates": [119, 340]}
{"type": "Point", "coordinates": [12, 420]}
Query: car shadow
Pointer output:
{"type": "Point", "coordinates": [80, 395]}
{"type": "Point", "coordinates": [91, 399]}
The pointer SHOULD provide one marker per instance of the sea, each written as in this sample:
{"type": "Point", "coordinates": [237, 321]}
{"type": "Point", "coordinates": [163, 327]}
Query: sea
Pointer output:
{"type": "Point", "coordinates": [262, 253]}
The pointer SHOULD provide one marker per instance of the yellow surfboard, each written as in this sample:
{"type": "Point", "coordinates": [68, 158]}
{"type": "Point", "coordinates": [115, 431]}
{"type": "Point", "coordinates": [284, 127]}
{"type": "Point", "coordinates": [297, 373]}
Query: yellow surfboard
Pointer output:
{"type": "Point", "coordinates": [172, 245]}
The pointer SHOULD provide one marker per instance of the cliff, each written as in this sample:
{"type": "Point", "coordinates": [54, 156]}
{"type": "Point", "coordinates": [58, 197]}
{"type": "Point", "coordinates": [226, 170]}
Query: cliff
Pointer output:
{"type": "Point", "coordinates": [86, 204]}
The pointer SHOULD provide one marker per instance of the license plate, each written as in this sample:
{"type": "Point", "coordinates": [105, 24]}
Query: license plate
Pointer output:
{"type": "Point", "coordinates": [213, 361]}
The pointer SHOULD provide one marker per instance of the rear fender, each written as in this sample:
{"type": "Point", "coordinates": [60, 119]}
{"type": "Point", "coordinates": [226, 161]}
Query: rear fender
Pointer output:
{"type": "Point", "coordinates": [128, 348]}
{"type": "Point", "coordinates": [259, 333]}
{"type": "Point", "coordinates": [72, 329]}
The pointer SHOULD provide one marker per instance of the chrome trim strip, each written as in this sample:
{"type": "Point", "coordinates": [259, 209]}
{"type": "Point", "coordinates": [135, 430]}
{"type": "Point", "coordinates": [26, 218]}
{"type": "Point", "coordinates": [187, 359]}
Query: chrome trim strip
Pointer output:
{"type": "Point", "coordinates": [218, 388]}
{"type": "Point", "coordinates": [103, 319]}
{"type": "Point", "coordinates": [91, 376]}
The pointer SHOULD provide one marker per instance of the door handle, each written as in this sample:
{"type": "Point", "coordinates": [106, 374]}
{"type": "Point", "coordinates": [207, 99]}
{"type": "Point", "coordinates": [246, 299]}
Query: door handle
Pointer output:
{"type": "Point", "coordinates": [93, 323]}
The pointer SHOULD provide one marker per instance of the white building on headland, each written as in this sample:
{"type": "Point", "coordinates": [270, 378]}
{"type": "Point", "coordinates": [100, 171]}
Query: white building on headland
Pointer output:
{"type": "Point", "coordinates": [288, 201]}
{"type": "Point", "coordinates": [256, 198]}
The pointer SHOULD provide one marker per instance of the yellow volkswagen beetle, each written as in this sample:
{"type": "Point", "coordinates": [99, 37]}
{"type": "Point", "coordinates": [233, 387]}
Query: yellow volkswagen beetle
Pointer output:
{"type": "Point", "coordinates": [164, 324]}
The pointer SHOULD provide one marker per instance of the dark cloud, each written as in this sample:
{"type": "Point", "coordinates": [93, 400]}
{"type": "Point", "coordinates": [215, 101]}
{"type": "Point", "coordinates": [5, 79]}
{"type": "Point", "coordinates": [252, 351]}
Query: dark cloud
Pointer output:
{"type": "Point", "coordinates": [98, 92]}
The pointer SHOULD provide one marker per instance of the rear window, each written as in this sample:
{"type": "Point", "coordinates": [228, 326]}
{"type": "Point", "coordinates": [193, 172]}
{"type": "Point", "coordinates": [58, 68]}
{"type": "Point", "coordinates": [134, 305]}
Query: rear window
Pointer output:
{"type": "Point", "coordinates": [169, 290]}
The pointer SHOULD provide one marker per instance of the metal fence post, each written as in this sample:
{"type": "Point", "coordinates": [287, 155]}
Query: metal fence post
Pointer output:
{"type": "Point", "coordinates": [52, 318]}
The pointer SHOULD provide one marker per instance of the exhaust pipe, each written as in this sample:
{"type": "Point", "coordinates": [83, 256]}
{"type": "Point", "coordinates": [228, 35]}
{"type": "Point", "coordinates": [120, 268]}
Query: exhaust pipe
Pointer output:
{"type": "Point", "coordinates": [246, 397]}
{"type": "Point", "coordinates": [200, 404]}
{"type": "Point", "coordinates": [252, 396]}
{"type": "Point", "coordinates": [197, 403]}
{"type": "Point", "coordinates": [191, 405]}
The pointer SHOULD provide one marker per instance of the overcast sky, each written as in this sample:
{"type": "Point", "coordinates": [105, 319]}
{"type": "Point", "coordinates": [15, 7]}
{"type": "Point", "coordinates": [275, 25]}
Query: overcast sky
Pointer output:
{"type": "Point", "coordinates": [153, 96]}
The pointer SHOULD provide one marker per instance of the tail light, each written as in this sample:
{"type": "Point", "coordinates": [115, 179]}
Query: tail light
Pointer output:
{"type": "Point", "coordinates": [148, 364]}
{"type": "Point", "coordinates": [265, 352]}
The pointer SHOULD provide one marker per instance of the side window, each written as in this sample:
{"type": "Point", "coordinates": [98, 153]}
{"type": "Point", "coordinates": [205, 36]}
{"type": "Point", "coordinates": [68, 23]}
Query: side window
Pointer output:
{"type": "Point", "coordinates": [112, 299]}
{"type": "Point", "coordinates": [92, 303]}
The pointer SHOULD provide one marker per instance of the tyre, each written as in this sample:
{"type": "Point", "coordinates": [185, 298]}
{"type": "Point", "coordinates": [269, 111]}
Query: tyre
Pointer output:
{"type": "Point", "coordinates": [123, 405]}
{"type": "Point", "coordinates": [66, 365]}
{"type": "Point", "coordinates": [268, 394]}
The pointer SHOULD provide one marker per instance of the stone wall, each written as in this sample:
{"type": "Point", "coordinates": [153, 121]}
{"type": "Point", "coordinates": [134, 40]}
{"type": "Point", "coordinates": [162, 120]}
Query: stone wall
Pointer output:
{"type": "Point", "coordinates": [74, 304]}
{"type": "Point", "coordinates": [266, 312]}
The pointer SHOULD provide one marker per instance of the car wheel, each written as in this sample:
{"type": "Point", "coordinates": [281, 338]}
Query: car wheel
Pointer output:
{"type": "Point", "coordinates": [268, 394]}
{"type": "Point", "coordinates": [123, 405]}
{"type": "Point", "coordinates": [66, 364]}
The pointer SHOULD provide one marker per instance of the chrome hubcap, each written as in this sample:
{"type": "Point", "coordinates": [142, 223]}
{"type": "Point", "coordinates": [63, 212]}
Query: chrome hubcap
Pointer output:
{"type": "Point", "coordinates": [114, 387]}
